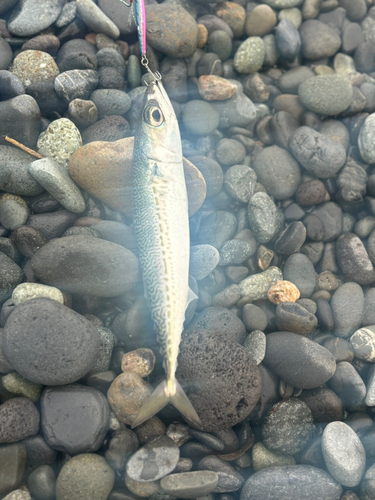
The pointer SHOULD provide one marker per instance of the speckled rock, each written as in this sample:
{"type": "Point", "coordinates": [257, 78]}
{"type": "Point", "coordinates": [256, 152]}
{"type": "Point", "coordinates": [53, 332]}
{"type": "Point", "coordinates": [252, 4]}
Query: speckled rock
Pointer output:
{"type": "Point", "coordinates": [262, 458]}
{"type": "Point", "coordinates": [141, 361]}
{"type": "Point", "coordinates": [326, 94]}
{"type": "Point", "coordinates": [33, 66]}
{"type": "Point", "coordinates": [19, 419]}
{"type": "Point", "coordinates": [249, 56]}
{"type": "Point", "coordinates": [265, 218]}
{"type": "Point", "coordinates": [31, 17]}
{"type": "Point", "coordinates": [85, 476]}
{"type": "Point", "coordinates": [207, 371]}
{"type": "Point", "coordinates": [11, 275]}
{"type": "Point", "coordinates": [61, 139]}
{"type": "Point", "coordinates": [291, 481]}
{"type": "Point", "coordinates": [240, 182]}
{"type": "Point", "coordinates": [256, 286]}
{"type": "Point", "coordinates": [203, 260]}
{"type": "Point", "coordinates": [255, 343]}
{"type": "Point", "coordinates": [366, 139]}
{"type": "Point", "coordinates": [215, 88]}
{"type": "Point", "coordinates": [363, 343]}
{"type": "Point", "coordinates": [54, 177]}
{"type": "Point", "coordinates": [21, 121]}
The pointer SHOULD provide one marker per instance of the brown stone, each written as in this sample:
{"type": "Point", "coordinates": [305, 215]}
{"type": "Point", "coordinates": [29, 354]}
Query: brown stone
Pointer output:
{"type": "Point", "coordinates": [311, 193]}
{"type": "Point", "coordinates": [126, 396]}
{"type": "Point", "coordinates": [261, 21]}
{"type": "Point", "coordinates": [234, 15]}
{"type": "Point", "coordinates": [215, 88]}
{"type": "Point", "coordinates": [141, 361]}
{"type": "Point", "coordinates": [202, 35]}
{"type": "Point", "coordinates": [283, 291]}
{"type": "Point", "coordinates": [104, 170]}
{"type": "Point", "coordinates": [264, 257]}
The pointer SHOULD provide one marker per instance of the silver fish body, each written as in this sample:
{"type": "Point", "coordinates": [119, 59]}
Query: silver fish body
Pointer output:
{"type": "Point", "coordinates": [161, 224]}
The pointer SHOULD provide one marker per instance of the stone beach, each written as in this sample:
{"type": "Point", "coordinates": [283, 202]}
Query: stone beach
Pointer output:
{"type": "Point", "coordinates": [275, 101]}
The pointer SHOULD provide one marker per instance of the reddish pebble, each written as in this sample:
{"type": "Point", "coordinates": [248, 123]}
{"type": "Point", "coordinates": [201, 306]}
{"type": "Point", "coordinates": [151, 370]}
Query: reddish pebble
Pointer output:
{"type": "Point", "coordinates": [90, 37]}
{"type": "Point", "coordinates": [141, 361]}
{"type": "Point", "coordinates": [283, 291]}
{"type": "Point", "coordinates": [215, 88]}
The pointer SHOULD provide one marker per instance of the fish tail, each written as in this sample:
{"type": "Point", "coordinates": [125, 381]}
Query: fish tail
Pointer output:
{"type": "Point", "coordinates": [160, 398]}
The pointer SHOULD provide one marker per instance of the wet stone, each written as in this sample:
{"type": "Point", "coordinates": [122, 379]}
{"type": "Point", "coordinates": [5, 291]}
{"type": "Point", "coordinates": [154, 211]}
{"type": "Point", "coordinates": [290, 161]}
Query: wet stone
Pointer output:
{"type": "Point", "coordinates": [283, 291]}
{"type": "Point", "coordinates": [254, 317]}
{"type": "Point", "coordinates": [235, 252]}
{"type": "Point", "coordinates": [347, 306]}
{"type": "Point", "coordinates": [212, 173]}
{"type": "Point", "coordinates": [214, 87]}
{"type": "Point", "coordinates": [295, 318]}
{"type": "Point", "coordinates": [354, 260]}
{"type": "Point", "coordinates": [289, 428]}
{"type": "Point", "coordinates": [237, 111]}
{"type": "Point", "coordinates": [13, 214]}
{"type": "Point", "coordinates": [249, 56]}
{"type": "Point", "coordinates": [262, 458]}
{"type": "Point", "coordinates": [154, 460]}
{"type": "Point", "coordinates": [123, 443]}
{"type": "Point", "coordinates": [240, 182]}
{"type": "Point", "coordinates": [50, 358]}
{"type": "Point", "coordinates": [11, 275]}
{"type": "Point", "coordinates": [31, 17]}
{"type": "Point", "coordinates": [140, 361]}
{"type": "Point", "coordinates": [149, 430]}
{"type": "Point", "coordinates": [255, 343]}
{"type": "Point", "coordinates": [217, 228]}
{"type": "Point", "coordinates": [363, 343]}
{"type": "Point", "coordinates": [300, 271]}
{"type": "Point", "coordinates": [12, 460]}
{"type": "Point", "coordinates": [230, 152]}
{"type": "Point", "coordinates": [200, 117]}
{"type": "Point", "coordinates": [255, 287]}
{"type": "Point", "coordinates": [190, 484]}
{"type": "Point", "coordinates": [265, 219]}
{"type": "Point", "coordinates": [229, 479]}
{"type": "Point", "coordinates": [347, 384]}
{"type": "Point", "coordinates": [42, 482]}
{"type": "Point", "coordinates": [260, 21]}
{"type": "Point", "coordinates": [340, 348]}
{"type": "Point", "coordinates": [324, 404]}
{"type": "Point", "coordinates": [288, 40]}
{"type": "Point", "coordinates": [222, 321]}
{"type": "Point", "coordinates": [19, 386]}
{"type": "Point", "coordinates": [76, 84]}
{"type": "Point", "coordinates": [19, 419]}
{"type": "Point", "coordinates": [291, 238]}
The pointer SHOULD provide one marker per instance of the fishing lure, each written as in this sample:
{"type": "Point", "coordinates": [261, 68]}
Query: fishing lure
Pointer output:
{"type": "Point", "coordinates": [140, 22]}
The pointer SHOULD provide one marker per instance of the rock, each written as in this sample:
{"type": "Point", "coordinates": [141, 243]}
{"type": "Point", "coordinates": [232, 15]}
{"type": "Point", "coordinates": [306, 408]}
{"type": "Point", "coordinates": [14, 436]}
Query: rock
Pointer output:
{"type": "Point", "coordinates": [77, 54]}
{"type": "Point", "coordinates": [94, 267]}
{"type": "Point", "coordinates": [33, 66]}
{"type": "Point", "coordinates": [76, 84]}
{"type": "Point", "coordinates": [260, 21]}
{"type": "Point", "coordinates": [85, 476]}
{"type": "Point", "coordinates": [265, 219]}
{"type": "Point", "coordinates": [56, 180]}
{"type": "Point", "coordinates": [367, 484]}
{"type": "Point", "coordinates": [75, 418]}
{"type": "Point", "coordinates": [20, 121]}
{"type": "Point", "coordinates": [110, 102]}
{"type": "Point", "coordinates": [254, 318]}
{"type": "Point", "coordinates": [249, 56]}
{"type": "Point", "coordinates": [262, 458]}
{"type": "Point", "coordinates": [58, 347]}
{"type": "Point", "coordinates": [365, 139]}
{"type": "Point", "coordinates": [217, 228]}
{"type": "Point", "coordinates": [353, 259]}
{"type": "Point", "coordinates": [311, 193]}
{"type": "Point", "coordinates": [13, 212]}
{"type": "Point", "coordinates": [255, 343]}
{"type": "Point", "coordinates": [19, 419]}
{"type": "Point", "coordinates": [11, 86]}
{"type": "Point", "coordinates": [347, 384]}
{"type": "Point", "coordinates": [190, 484]}
{"type": "Point", "coordinates": [212, 173]}
{"type": "Point", "coordinates": [203, 260]}
{"type": "Point", "coordinates": [319, 154]}
{"type": "Point", "coordinates": [221, 320]}
{"type": "Point", "coordinates": [95, 18]}
{"type": "Point", "coordinates": [289, 428]}
{"type": "Point", "coordinates": [363, 343]}
{"type": "Point", "coordinates": [291, 481]}
{"type": "Point", "coordinates": [38, 453]}
{"type": "Point", "coordinates": [198, 372]}
{"type": "Point", "coordinates": [141, 361]}
{"type": "Point", "coordinates": [19, 386]}
{"type": "Point", "coordinates": [343, 453]}
{"type": "Point", "coordinates": [12, 466]}
{"type": "Point", "coordinates": [235, 252]}
{"type": "Point", "coordinates": [31, 17]}
{"type": "Point", "coordinates": [229, 479]}
{"type": "Point", "coordinates": [256, 286]}
{"type": "Point", "coordinates": [283, 291]}
{"type": "Point", "coordinates": [319, 40]}
{"type": "Point", "coordinates": [300, 271]}
{"type": "Point", "coordinates": [154, 460]}
{"type": "Point", "coordinates": [288, 40]}
{"type": "Point", "coordinates": [21, 494]}
{"type": "Point", "coordinates": [6, 55]}
{"type": "Point", "coordinates": [215, 88]}
{"type": "Point", "coordinates": [59, 141]}
{"type": "Point", "coordinates": [326, 94]}
{"type": "Point", "coordinates": [234, 15]}
{"type": "Point", "coordinates": [277, 170]}
{"type": "Point", "coordinates": [237, 111]}
{"type": "Point", "coordinates": [123, 443]}
{"type": "Point", "coordinates": [298, 360]}
{"type": "Point", "coordinates": [11, 275]}
{"type": "Point", "coordinates": [171, 30]}
{"type": "Point", "coordinates": [230, 152]}
{"type": "Point", "coordinates": [324, 404]}
{"type": "Point", "coordinates": [42, 482]}
{"type": "Point", "coordinates": [200, 117]}
{"type": "Point", "coordinates": [293, 317]}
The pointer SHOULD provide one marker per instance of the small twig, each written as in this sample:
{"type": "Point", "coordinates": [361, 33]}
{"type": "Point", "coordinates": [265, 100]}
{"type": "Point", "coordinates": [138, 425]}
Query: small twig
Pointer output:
{"type": "Point", "coordinates": [237, 454]}
{"type": "Point", "coordinates": [24, 148]}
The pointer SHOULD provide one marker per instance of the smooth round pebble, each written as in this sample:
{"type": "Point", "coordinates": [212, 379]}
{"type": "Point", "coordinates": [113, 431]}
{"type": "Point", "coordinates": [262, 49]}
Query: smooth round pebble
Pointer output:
{"type": "Point", "coordinates": [200, 118]}
{"type": "Point", "coordinates": [190, 484]}
{"type": "Point", "coordinates": [326, 94]}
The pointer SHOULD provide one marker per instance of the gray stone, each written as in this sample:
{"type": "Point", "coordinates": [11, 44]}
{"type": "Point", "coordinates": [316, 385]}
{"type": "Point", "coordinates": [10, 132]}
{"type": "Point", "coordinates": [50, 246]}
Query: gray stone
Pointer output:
{"type": "Point", "coordinates": [220, 320]}
{"type": "Point", "coordinates": [12, 466]}
{"type": "Point", "coordinates": [254, 318]}
{"type": "Point", "coordinates": [217, 228]}
{"type": "Point", "coordinates": [300, 271]}
{"type": "Point", "coordinates": [75, 418]}
{"type": "Point", "coordinates": [319, 40]}
{"type": "Point", "coordinates": [42, 483]}
{"type": "Point", "coordinates": [363, 343]}
{"type": "Point", "coordinates": [95, 18]}
{"type": "Point", "coordinates": [229, 479]}
{"type": "Point", "coordinates": [288, 40]}
{"type": "Point", "coordinates": [265, 219]}
{"type": "Point", "coordinates": [111, 101]}
{"type": "Point", "coordinates": [262, 458]}
{"type": "Point", "coordinates": [290, 482]}
{"type": "Point", "coordinates": [240, 182]}
{"type": "Point", "coordinates": [256, 286]}
{"type": "Point", "coordinates": [154, 460]}
{"type": "Point", "coordinates": [298, 360]}
{"type": "Point", "coordinates": [203, 260]}
{"type": "Point", "coordinates": [76, 84]}
{"type": "Point", "coordinates": [236, 252]}
{"type": "Point", "coordinates": [13, 213]}
{"type": "Point", "coordinates": [57, 181]}
{"type": "Point", "coordinates": [347, 384]}
{"type": "Point", "coordinates": [370, 387]}
{"type": "Point", "coordinates": [278, 171]}
{"type": "Point", "coordinates": [95, 267]}
{"type": "Point", "coordinates": [249, 56]}
{"type": "Point", "coordinates": [237, 111]}
{"type": "Point", "coordinates": [366, 139]}
{"type": "Point", "coordinates": [343, 453]}
{"type": "Point", "coordinates": [107, 343]}
{"type": "Point", "coordinates": [190, 484]}
{"type": "Point", "coordinates": [48, 343]}
{"type": "Point", "coordinates": [11, 275]}
{"type": "Point", "coordinates": [31, 16]}
{"type": "Point", "coordinates": [6, 55]}
{"type": "Point", "coordinates": [289, 428]}
{"type": "Point", "coordinates": [67, 15]}
{"type": "Point", "coordinates": [326, 94]}
{"type": "Point", "coordinates": [354, 260]}
{"type": "Point", "coordinates": [14, 174]}
{"type": "Point", "coordinates": [255, 343]}
{"type": "Point", "coordinates": [19, 419]}
{"type": "Point", "coordinates": [200, 117]}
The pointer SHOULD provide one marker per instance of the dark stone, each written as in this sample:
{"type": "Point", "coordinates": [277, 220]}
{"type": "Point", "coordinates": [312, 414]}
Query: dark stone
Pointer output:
{"type": "Point", "coordinates": [298, 360]}
{"type": "Point", "coordinates": [217, 228]}
{"type": "Point", "coordinates": [340, 348]}
{"type": "Point", "coordinates": [111, 78]}
{"type": "Point", "coordinates": [19, 419]}
{"type": "Point", "coordinates": [214, 23]}
{"type": "Point", "coordinates": [312, 454]}
{"type": "Point", "coordinates": [299, 270]}
{"type": "Point", "coordinates": [28, 240]}
{"type": "Point", "coordinates": [269, 395]}
{"type": "Point", "coordinates": [20, 120]}
{"type": "Point", "coordinates": [283, 126]}
{"type": "Point", "coordinates": [75, 418]}
{"type": "Point", "coordinates": [291, 238]}
{"type": "Point", "coordinates": [324, 315]}
{"type": "Point", "coordinates": [207, 369]}
{"type": "Point", "coordinates": [293, 317]}
{"type": "Point", "coordinates": [77, 54]}
{"type": "Point", "coordinates": [347, 384]}
{"type": "Point", "coordinates": [122, 444]}
{"type": "Point", "coordinates": [10, 85]}
{"type": "Point", "coordinates": [212, 173]}
{"type": "Point", "coordinates": [314, 228]}
{"type": "Point", "coordinates": [12, 466]}
{"type": "Point", "coordinates": [46, 96]}
{"type": "Point", "coordinates": [11, 275]}
{"type": "Point", "coordinates": [368, 317]}
{"type": "Point", "coordinates": [324, 404]}
{"type": "Point", "coordinates": [229, 478]}
{"type": "Point", "coordinates": [6, 54]}
{"type": "Point", "coordinates": [364, 57]}
{"type": "Point", "coordinates": [288, 40]}
{"type": "Point", "coordinates": [311, 193]}
{"type": "Point", "coordinates": [52, 225]}
{"type": "Point", "coordinates": [42, 482]}
{"type": "Point", "coordinates": [49, 343]}
{"type": "Point", "coordinates": [76, 84]}
{"type": "Point", "coordinates": [38, 453]}
{"type": "Point", "coordinates": [331, 216]}
{"type": "Point", "coordinates": [109, 129]}
{"type": "Point", "coordinates": [347, 305]}
{"type": "Point", "coordinates": [291, 80]}
{"type": "Point", "coordinates": [354, 260]}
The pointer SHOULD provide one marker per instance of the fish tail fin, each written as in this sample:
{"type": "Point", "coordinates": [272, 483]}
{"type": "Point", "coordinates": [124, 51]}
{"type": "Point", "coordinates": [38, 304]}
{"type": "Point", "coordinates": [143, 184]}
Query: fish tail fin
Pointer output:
{"type": "Point", "coordinates": [159, 399]}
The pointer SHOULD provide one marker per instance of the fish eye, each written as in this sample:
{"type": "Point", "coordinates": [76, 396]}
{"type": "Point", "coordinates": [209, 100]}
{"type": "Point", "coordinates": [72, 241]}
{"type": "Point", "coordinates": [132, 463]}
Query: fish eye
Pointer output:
{"type": "Point", "coordinates": [153, 116]}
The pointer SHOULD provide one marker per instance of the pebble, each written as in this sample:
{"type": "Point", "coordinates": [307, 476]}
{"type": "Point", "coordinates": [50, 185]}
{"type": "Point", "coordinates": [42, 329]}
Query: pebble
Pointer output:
{"type": "Point", "coordinates": [261, 21]}
{"type": "Point", "coordinates": [240, 182]}
{"type": "Point", "coordinates": [77, 54]}
{"type": "Point", "coordinates": [324, 404]}
{"type": "Point", "coordinates": [141, 361]}
{"type": "Point", "coordinates": [255, 343]}
{"type": "Point", "coordinates": [200, 118]}
{"type": "Point", "coordinates": [11, 275]}
{"type": "Point", "coordinates": [142, 489]}
{"type": "Point", "coordinates": [122, 444]}
{"type": "Point", "coordinates": [263, 458]}
{"type": "Point", "coordinates": [82, 113]}
{"type": "Point", "coordinates": [50, 358]}
{"type": "Point", "coordinates": [76, 84]}
{"type": "Point", "coordinates": [107, 342]}
{"type": "Point", "coordinates": [19, 419]}
{"type": "Point", "coordinates": [291, 481]}
{"type": "Point", "coordinates": [298, 360]}
{"type": "Point", "coordinates": [230, 152]}
{"type": "Point", "coordinates": [363, 344]}
{"type": "Point", "coordinates": [241, 384]}
{"type": "Point", "coordinates": [367, 484]}
{"type": "Point", "coordinates": [149, 430]}
{"type": "Point", "coordinates": [278, 171]}
{"type": "Point", "coordinates": [288, 40]}
{"type": "Point", "coordinates": [311, 193]}
{"type": "Point", "coordinates": [254, 318]}
{"type": "Point", "coordinates": [237, 111]}
{"type": "Point", "coordinates": [154, 460]}
{"type": "Point", "coordinates": [353, 259]}
{"type": "Point", "coordinates": [95, 266]}
{"type": "Point", "coordinates": [291, 238]}
{"type": "Point", "coordinates": [288, 429]}
{"type": "Point", "coordinates": [235, 252]}
{"type": "Point", "coordinates": [13, 213]}
{"type": "Point", "coordinates": [11, 86]}
{"type": "Point", "coordinates": [265, 218]}
{"type": "Point", "coordinates": [38, 453]}
{"type": "Point", "coordinates": [283, 291]}
{"type": "Point", "coordinates": [21, 494]}
{"type": "Point", "coordinates": [194, 484]}
{"type": "Point", "coordinates": [203, 260]}
{"type": "Point", "coordinates": [255, 287]}
{"type": "Point", "coordinates": [95, 18]}
{"type": "Point", "coordinates": [340, 348]}
{"type": "Point", "coordinates": [12, 460]}
{"type": "Point", "coordinates": [220, 43]}
{"type": "Point", "coordinates": [75, 418]}
{"type": "Point", "coordinates": [221, 320]}
{"type": "Point", "coordinates": [60, 140]}
{"type": "Point", "coordinates": [249, 56]}
{"type": "Point", "coordinates": [31, 17]}
{"type": "Point", "coordinates": [326, 94]}
{"type": "Point", "coordinates": [85, 476]}
{"type": "Point", "coordinates": [300, 271]}
{"type": "Point", "coordinates": [42, 483]}
{"type": "Point", "coordinates": [33, 66]}
{"type": "Point", "coordinates": [217, 228]}
{"type": "Point", "coordinates": [18, 385]}
{"type": "Point", "coordinates": [347, 384]}
{"type": "Point", "coordinates": [293, 317]}
{"type": "Point", "coordinates": [318, 40]}
{"type": "Point", "coordinates": [366, 138]}
{"type": "Point", "coordinates": [343, 453]}
{"type": "Point", "coordinates": [110, 102]}
{"type": "Point", "coordinates": [370, 388]}
{"type": "Point", "coordinates": [67, 15]}
{"type": "Point", "coordinates": [234, 15]}
{"type": "Point", "coordinates": [215, 88]}
{"type": "Point", "coordinates": [21, 121]}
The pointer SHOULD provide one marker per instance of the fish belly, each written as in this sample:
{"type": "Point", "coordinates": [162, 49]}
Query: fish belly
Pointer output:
{"type": "Point", "coordinates": [161, 224]}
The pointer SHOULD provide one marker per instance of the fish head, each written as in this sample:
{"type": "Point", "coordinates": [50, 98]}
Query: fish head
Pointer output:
{"type": "Point", "coordinates": [158, 129]}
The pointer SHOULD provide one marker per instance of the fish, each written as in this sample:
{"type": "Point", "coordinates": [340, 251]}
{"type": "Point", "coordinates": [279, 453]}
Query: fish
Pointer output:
{"type": "Point", "coordinates": [161, 225]}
